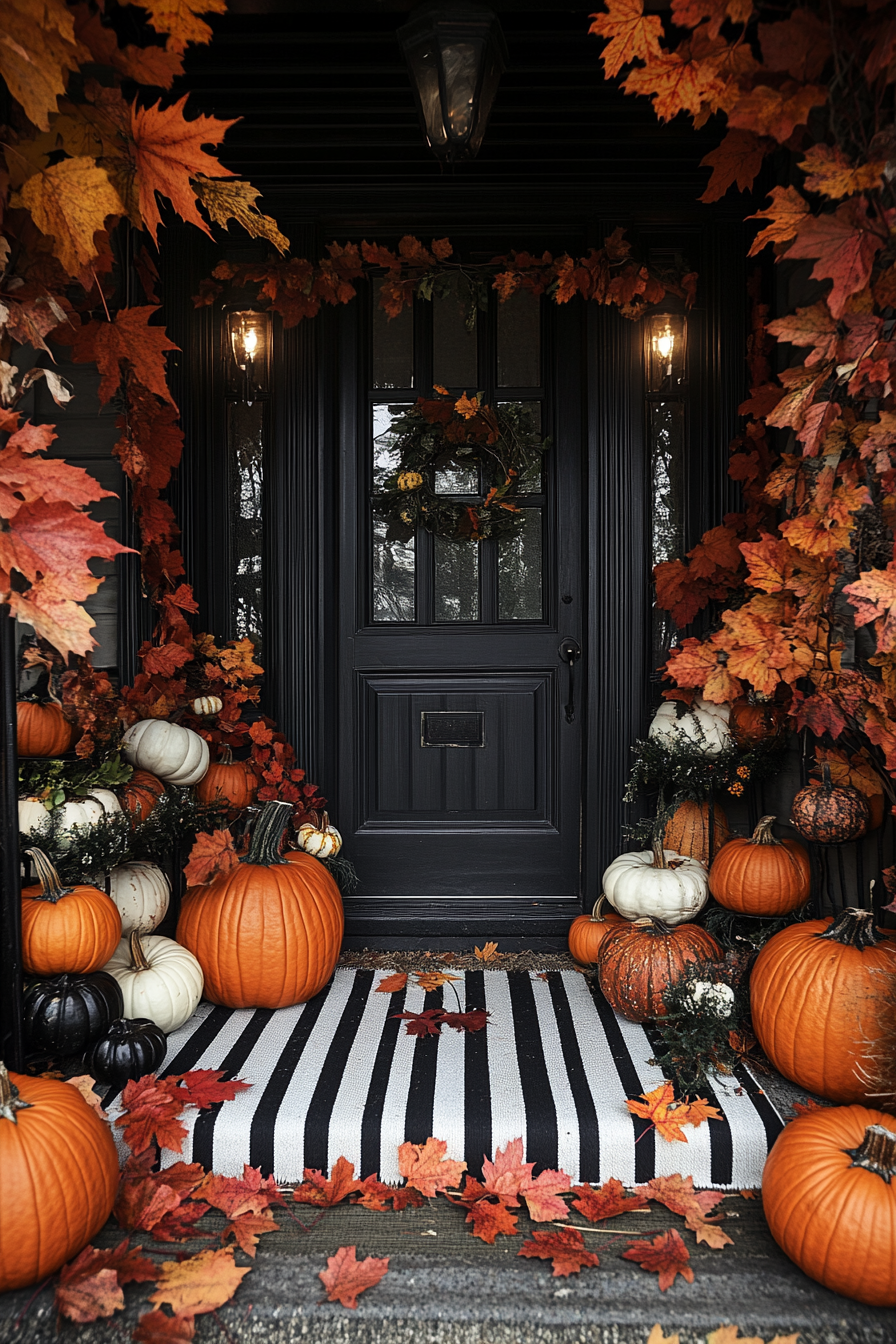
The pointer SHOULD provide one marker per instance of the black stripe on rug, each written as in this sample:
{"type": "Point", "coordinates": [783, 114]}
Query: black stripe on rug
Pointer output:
{"type": "Point", "coordinates": [645, 1140]}
{"type": "Point", "coordinates": [261, 1130]}
{"type": "Point", "coordinates": [477, 1090]}
{"type": "Point", "coordinates": [538, 1096]}
{"type": "Point", "coordinates": [371, 1124]}
{"type": "Point", "coordinates": [422, 1090]}
{"type": "Point", "coordinates": [589, 1128]}
{"type": "Point", "coordinates": [320, 1108]}
{"type": "Point", "coordinates": [233, 1061]}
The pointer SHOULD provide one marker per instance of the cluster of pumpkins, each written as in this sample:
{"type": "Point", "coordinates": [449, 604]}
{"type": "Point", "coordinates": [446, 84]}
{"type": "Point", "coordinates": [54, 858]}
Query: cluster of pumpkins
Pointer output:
{"type": "Point", "coordinates": [265, 934]}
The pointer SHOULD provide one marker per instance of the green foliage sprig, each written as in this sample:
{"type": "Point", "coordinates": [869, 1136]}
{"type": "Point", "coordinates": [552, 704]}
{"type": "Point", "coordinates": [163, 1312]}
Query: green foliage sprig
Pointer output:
{"type": "Point", "coordinates": [680, 769]}
{"type": "Point", "coordinates": [704, 1025]}
{"type": "Point", "coordinates": [53, 780]}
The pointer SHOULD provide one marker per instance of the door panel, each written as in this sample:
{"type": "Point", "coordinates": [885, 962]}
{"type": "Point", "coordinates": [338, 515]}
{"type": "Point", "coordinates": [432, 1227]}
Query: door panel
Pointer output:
{"type": "Point", "coordinates": [466, 769]}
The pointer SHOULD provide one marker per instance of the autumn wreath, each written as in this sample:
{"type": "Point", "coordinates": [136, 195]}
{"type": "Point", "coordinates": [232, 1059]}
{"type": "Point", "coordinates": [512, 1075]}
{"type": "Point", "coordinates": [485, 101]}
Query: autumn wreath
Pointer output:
{"type": "Point", "coordinates": [439, 433]}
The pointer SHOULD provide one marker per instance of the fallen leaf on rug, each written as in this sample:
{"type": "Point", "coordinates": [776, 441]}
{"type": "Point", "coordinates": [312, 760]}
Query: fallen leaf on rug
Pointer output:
{"type": "Point", "coordinates": [202, 1283]}
{"type": "Point", "coordinates": [747, 1194]}
{"type": "Point", "coordinates": [677, 1193]}
{"type": "Point", "coordinates": [372, 1193]}
{"type": "Point", "coordinates": [246, 1228]}
{"type": "Point", "coordinates": [425, 1167]}
{"type": "Point", "coordinates": [253, 1193]}
{"type": "Point", "coordinates": [345, 1276]}
{"type": "Point", "coordinates": [508, 1175]}
{"type": "Point", "coordinates": [474, 1020]}
{"type": "Point", "coordinates": [666, 1256]}
{"type": "Point", "coordinates": [543, 1196]}
{"type": "Point", "coordinates": [428, 1023]}
{"type": "Point", "coordinates": [668, 1115]}
{"type": "Point", "coordinates": [393, 984]}
{"type": "Point", "coordinates": [207, 1087]}
{"type": "Point", "coordinates": [565, 1249]}
{"type": "Point", "coordinates": [488, 1216]}
{"type": "Point", "coordinates": [430, 980]}
{"type": "Point", "coordinates": [606, 1202]}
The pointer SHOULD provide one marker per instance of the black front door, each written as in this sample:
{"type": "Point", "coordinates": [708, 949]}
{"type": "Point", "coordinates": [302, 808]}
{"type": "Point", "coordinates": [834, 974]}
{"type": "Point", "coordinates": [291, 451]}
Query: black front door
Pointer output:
{"type": "Point", "coordinates": [460, 726]}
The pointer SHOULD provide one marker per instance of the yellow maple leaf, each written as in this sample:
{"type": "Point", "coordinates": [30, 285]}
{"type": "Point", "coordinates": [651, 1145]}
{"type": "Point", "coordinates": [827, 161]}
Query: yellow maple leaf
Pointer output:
{"type": "Point", "coordinates": [830, 173]}
{"type": "Point", "coordinates": [180, 20]}
{"type": "Point", "coordinates": [70, 201]}
{"type": "Point", "coordinates": [225, 201]}
{"type": "Point", "coordinates": [632, 34]}
{"type": "Point", "coordinates": [428, 980]}
{"type": "Point", "coordinates": [202, 1283]}
{"type": "Point", "coordinates": [667, 1115]}
{"type": "Point", "coordinates": [467, 407]}
{"type": "Point", "coordinates": [488, 952]}
{"type": "Point", "coordinates": [38, 48]}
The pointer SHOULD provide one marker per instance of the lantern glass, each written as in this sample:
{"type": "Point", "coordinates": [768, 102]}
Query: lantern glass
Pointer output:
{"type": "Point", "coordinates": [666, 341]}
{"type": "Point", "coordinates": [248, 354]}
{"type": "Point", "coordinates": [455, 55]}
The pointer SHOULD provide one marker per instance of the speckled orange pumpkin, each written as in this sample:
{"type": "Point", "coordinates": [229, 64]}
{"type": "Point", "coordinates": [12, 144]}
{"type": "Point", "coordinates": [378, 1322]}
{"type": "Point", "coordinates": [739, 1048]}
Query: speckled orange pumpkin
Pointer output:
{"type": "Point", "coordinates": [638, 963]}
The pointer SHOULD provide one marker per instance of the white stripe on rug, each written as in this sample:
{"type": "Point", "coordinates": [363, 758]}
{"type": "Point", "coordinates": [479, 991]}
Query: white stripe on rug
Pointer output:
{"type": "Point", "coordinates": [448, 1120]}
{"type": "Point", "coordinates": [344, 1134]}
{"type": "Point", "coordinates": [568, 1138]}
{"type": "Point", "coordinates": [392, 1126]}
{"type": "Point", "coordinates": [508, 1106]}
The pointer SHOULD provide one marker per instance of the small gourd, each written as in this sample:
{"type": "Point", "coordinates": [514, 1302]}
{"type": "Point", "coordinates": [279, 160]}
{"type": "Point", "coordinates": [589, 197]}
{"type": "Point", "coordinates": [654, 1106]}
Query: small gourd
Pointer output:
{"type": "Point", "coordinates": [141, 891]}
{"type": "Point", "coordinates": [704, 725]}
{"type": "Point", "coordinates": [658, 883]}
{"type": "Point", "coordinates": [208, 704]}
{"type": "Point", "coordinates": [587, 932]}
{"type": "Point", "coordinates": [174, 753]}
{"type": "Point", "coordinates": [32, 815]}
{"type": "Point", "coordinates": [321, 840]}
{"type": "Point", "coordinates": [159, 979]}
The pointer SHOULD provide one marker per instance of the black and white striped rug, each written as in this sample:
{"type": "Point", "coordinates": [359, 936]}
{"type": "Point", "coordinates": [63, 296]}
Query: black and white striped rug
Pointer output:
{"type": "Point", "coordinates": [340, 1076]}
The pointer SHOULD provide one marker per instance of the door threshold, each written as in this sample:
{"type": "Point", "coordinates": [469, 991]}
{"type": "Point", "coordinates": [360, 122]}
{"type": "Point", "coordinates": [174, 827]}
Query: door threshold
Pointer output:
{"type": "Point", "coordinates": [406, 924]}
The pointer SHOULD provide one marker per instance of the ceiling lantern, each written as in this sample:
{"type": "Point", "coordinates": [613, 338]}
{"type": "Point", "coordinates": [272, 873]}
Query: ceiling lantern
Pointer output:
{"type": "Point", "coordinates": [456, 56]}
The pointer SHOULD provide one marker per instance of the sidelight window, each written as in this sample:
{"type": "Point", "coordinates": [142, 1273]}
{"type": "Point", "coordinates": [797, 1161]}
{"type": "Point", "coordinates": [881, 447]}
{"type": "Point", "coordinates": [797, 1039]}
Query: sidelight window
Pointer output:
{"type": "Point", "coordinates": [666, 382]}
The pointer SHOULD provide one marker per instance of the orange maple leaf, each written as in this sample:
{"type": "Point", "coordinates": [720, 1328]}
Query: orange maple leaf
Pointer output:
{"type": "Point", "coordinates": [345, 1276]}
{"type": "Point", "coordinates": [736, 160]}
{"type": "Point", "coordinates": [89, 1298]}
{"type": "Point", "coordinates": [809, 326]}
{"type": "Point", "coordinates": [467, 407]}
{"type": "Point", "coordinates": [508, 1175]}
{"type": "Point", "coordinates": [677, 1193]}
{"type": "Point", "coordinates": [788, 210]}
{"type": "Point", "coordinates": [38, 50]}
{"type": "Point", "coordinates": [212, 853]}
{"type": "Point", "coordinates": [316, 1189]}
{"type": "Point", "coordinates": [71, 201]}
{"type": "Point", "coordinates": [393, 984]}
{"type": "Point", "coordinates": [126, 342]}
{"type": "Point", "coordinates": [677, 81]}
{"type": "Point", "coordinates": [180, 20]}
{"type": "Point", "coordinates": [488, 952]}
{"type": "Point", "coordinates": [666, 1255]}
{"type": "Point", "coordinates": [874, 597]}
{"type": "Point", "coordinates": [426, 1168]}
{"type": "Point", "coordinates": [776, 112]}
{"type": "Point", "coordinates": [201, 1283]}
{"type": "Point", "coordinates": [633, 36]}
{"type": "Point", "coordinates": [490, 1218]}
{"type": "Point", "coordinates": [429, 980]}
{"type": "Point", "coordinates": [167, 153]}
{"type": "Point", "coordinates": [565, 1249]}
{"type": "Point", "coordinates": [667, 1115]}
{"type": "Point", "coordinates": [830, 172]}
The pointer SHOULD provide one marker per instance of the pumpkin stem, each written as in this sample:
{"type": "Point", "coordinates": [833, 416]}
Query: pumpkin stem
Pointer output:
{"type": "Point", "coordinates": [826, 777]}
{"type": "Point", "coordinates": [10, 1101]}
{"type": "Point", "coordinates": [853, 928]}
{"type": "Point", "coordinates": [596, 915]}
{"type": "Point", "coordinates": [763, 832]}
{"type": "Point", "coordinates": [659, 856]}
{"type": "Point", "coordinates": [51, 889]}
{"type": "Point", "coordinates": [264, 848]}
{"type": "Point", "coordinates": [652, 924]}
{"type": "Point", "coordinates": [876, 1152]}
{"type": "Point", "coordinates": [226, 757]}
{"type": "Point", "coordinates": [138, 956]}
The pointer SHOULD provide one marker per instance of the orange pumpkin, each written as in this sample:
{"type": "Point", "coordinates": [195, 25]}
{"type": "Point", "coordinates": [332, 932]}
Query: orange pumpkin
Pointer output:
{"type": "Point", "coordinates": [688, 830]}
{"type": "Point", "coordinates": [829, 814]}
{"type": "Point", "coordinates": [60, 1177]}
{"type": "Point", "coordinates": [638, 963]}
{"type": "Point", "coordinates": [829, 1198]}
{"type": "Point", "coordinates": [587, 932]}
{"type": "Point", "coordinates": [266, 933]}
{"type": "Point", "coordinates": [752, 722]}
{"type": "Point", "coordinates": [821, 1000]}
{"type": "Point", "coordinates": [72, 929]}
{"type": "Point", "coordinates": [228, 781]}
{"type": "Point", "coordinates": [42, 730]}
{"type": "Point", "coordinates": [141, 794]}
{"type": "Point", "coordinates": [762, 875]}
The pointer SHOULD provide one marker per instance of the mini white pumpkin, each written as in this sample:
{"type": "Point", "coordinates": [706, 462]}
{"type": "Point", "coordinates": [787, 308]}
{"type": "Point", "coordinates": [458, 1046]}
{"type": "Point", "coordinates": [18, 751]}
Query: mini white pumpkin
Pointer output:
{"type": "Point", "coordinates": [208, 704]}
{"type": "Point", "coordinates": [658, 883]}
{"type": "Point", "coordinates": [158, 978]}
{"type": "Point", "coordinates": [704, 724]}
{"type": "Point", "coordinates": [142, 892]}
{"type": "Point", "coordinates": [177, 755]}
{"type": "Point", "coordinates": [87, 810]}
{"type": "Point", "coordinates": [32, 814]}
{"type": "Point", "coordinates": [322, 841]}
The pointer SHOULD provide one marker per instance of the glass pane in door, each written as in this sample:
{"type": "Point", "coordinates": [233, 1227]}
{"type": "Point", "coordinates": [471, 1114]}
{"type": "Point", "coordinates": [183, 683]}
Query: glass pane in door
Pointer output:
{"type": "Point", "coordinates": [519, 340]}
{"type": "Point", "coordinates": [520, 570]}
{"type": "Point", "coordinates": [456, 580]}
{"type": "Point", "coordinates": [454, 348]}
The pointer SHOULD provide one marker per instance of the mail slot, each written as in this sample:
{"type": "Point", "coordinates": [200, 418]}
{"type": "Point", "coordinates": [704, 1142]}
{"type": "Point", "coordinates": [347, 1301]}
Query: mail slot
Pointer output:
{"type": "Point", "coordinates": [452, 728]}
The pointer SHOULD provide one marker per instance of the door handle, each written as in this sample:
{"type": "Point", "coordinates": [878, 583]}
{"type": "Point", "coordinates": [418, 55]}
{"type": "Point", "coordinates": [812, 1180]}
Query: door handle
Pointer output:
{"type": "Point", "coordinates": [570, 652]}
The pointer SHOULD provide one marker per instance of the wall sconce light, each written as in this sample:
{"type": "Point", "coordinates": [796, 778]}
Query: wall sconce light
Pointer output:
{"type": "Point", "coordinates": [667, 336]}
{"type": "Point", "coordinates": [456, 55]}
{"type": "Point", "coordinates": [249, 354]}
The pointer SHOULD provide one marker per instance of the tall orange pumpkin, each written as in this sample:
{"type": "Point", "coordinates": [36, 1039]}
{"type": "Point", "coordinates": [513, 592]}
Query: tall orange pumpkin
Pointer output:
{"type": "Point", "coordinates": [689, 831]}
{"type": "Point", "coordinates": [821, 995]}
{"type": "Point", "coordinates": [60, 1177]}
{"type": "Point", "coordinates": [266, 933]}
{"type": "Point", "coordinates": [829, 1198]}
{"type": "Point", "coordinates": [72, 929]}
{"type": "Point", "coordinates": [587, 932]}
{"type": "Point", "coordinates": [228, 781]}
{"type": "Point", "coordinates": [42, 730]}
{"type": "Point", "coordinates": [762, 875]}
{"type": "Point", "coordinates": [638, 963]}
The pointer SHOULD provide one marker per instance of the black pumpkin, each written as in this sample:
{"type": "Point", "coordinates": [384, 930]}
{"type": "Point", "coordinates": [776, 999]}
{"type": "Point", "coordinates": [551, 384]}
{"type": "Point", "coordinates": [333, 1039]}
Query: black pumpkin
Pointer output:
{"type": "Point", "coordinates": [131, 1047]}
{"type": "Point", "coordinates": [64, 1013]}
{"type": "Point", "coordinates": [830, 815]}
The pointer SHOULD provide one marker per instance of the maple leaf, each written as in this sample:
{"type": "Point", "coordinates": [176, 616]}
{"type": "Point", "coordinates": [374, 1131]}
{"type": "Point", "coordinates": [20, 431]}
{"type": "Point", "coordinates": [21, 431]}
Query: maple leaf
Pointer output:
{"type": "Point", "coordinates": [143, 1203]}
{"type": "Point", "coordinates": [233, 1195]}
{"type": "Point", "coordinates": [776, 112]}
{"type": "Point", "coordinates": [666, 1255]}
{"type": "Point", "coordinates": [430, 980]}
{"type": "Point", "coordinates": [844, 245]}
{"type": "Point", "coordinates": [71, 201]}
{"type": "Point", "coordinates": [691, 13]}
{"type": "Point", "coordinates": [151, 1107]}
{"type": "Point", "coordinates": [657, 1336]}
{"type": "Point", "coordinates": [427, 1023]}
{"type": "Point", "coordinates": [127, 341]}
{"type": "Point", "coordinates": [787, 212]}
{"type": "Point", "coordinates": [488, 952]}
{"type": "Point", "coordinates": [565, 1249]}
{"type": "Point", "coordinates": [212, 853]}
{"type": "Point", "coordinates": [736, 160]}
{"type": "Point", "coordinates": [677, 1193]}
{"type": "Point", "coordinates": [225, 201]}
{"type": "Point", "coordinates": [84, 1084]}
{"type": "Point", "coordinates": [345, 1276]}
{"type": "Point", "coordinates": [89, 1299]}
{"type": "Point", "coordinates": [208, 1087]}
{"type": "Point", "coordinates": [36, 54]}
{"type": "Point", "coordinates": [829, 172]}
{"type": "Point", "coordinates": [632, 34]}
{"type": "Point", "coordinates": [167, 153]}
{"type": "Point", "coordinates": [542, 1196]}
{"type": "Point", "coordinates": [246, 1228]}
{"type": "Point", "coordinates": [393, 984]}
{"type": "Point", "coordinates": [165, 660]}
{"type": "Point", "coordinates": [490, 1218]}
{"type": "Point", "coordinates": [809, 326]}
{"type": "Point", "coordinates": [180, 20]}
{"type": "Point", "coordinates": [807, 1107]}
{"type": "Point", "coordinates": [668, 1116]}
{"type": "Point", "coordinates": [425, 1167]}
{"type": "Point", "coordinates": [472, 1020]}
{"type": "Point", "coordinates": [155, 1327]}
{"type": "Point", "coordinates": [317, 1190]}
{"type": "Point", "coordinates": [201, 1283]}
{"type": "Point", "coordinates": [677, 81]}
{"type": "Point", "coordinates": [180, 1224]}
{"type": "Point", "coordinates": [607, 1201]}
{"type": "Point", "coordinates": [799, 45]}
{"type": "Point", "coordinates": [874, 597]}
{"type": "Point", "coordinates": [508, 1175]}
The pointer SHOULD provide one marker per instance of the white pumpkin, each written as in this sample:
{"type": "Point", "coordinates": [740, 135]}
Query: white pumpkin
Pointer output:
{"type": "Point", "coordinates": [32, 814]}
{"type": "Point", "coordinates": [208, 704]}
{"type": "Point", "coordinates": [322, 841]}
{"type": "Point", "coordinates": [704, 724]}
{"type": "Point", "coordinates": [142, 892]}
{"type": "Point", "coordinates": [158, 979]}
{"type": "Point", "coordinates": [658, 883]}
{"type": "Point", "coordinates": [175, 754]}
{"type": "Point", "coordinates": [87, 810]}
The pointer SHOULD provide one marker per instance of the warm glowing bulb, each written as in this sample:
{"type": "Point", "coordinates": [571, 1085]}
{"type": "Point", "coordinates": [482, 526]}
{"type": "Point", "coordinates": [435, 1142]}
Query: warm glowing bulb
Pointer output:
{"type": "Point", "coordinates": [665, 343]}
{"type": "Point", "coordinates": [250, 342]}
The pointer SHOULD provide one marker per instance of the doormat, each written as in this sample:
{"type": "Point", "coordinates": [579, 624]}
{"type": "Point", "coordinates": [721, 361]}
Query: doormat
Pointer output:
{"type": "Point", "coordinates": [340, 1077]}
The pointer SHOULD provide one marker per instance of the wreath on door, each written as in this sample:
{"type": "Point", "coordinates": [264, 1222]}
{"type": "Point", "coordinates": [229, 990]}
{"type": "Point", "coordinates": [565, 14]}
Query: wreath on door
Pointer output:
{"type": "Point", "coordinates": [438, 433]}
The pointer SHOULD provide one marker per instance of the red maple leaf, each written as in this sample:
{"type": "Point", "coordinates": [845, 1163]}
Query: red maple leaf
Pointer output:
{"type": "Point", "coordinates": [565, 1249]}
{"type": "Point", "coordinates": [490, 1218]}
{"type": "Point", "coordinates": [345, 1276]}
{"type": "Point", "coordinates": [736, 160]}
{"type": "Point", "coordinates": [426, 1168]}
{"type": "Point", "coordinates": [807, 1107]}
{"type": "Point", "coordinates": [844, 244]}
{"type": "Point", "coordinates": [508, 1175]}
{"type": "Point", "coordinates": [606, 1202]}
{"type": "Point", "coordinates": [677, 1193]}
{"type": "Point", "coordinates": [151, 1107]}
{"type": "Point", "coordinates": [427, 1023]}
{"type": "Point", "coordinates": [208, 1087]}
{"type": "Point", "coordinates": [316, 1189]}
{"type": "Point", "coordinates": [776, 112]}
{"type": "Point", "coordinates": [167, 153]}
{"type": "Point", "coordinates": [666, 1255]}
{"type": "Point", "coordinates": [393, 983]}
{"type": "Point", "coordinates": [799, 44]}
{"type": "Point", "coordinates": [128, 341]}
{"type": "Point", "coordinates": [472, 1020]}
{"type": "Point", "coordinates": [212, 853]}
{"type": "Point", "coordinates": [234, 1195]}
{"type": "Point", "coordinates": [180, 1224]}
{"type": "Point", "coordinates": [155, 1327]}
{"type": "Point", "coordinates": [543, 1196]}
